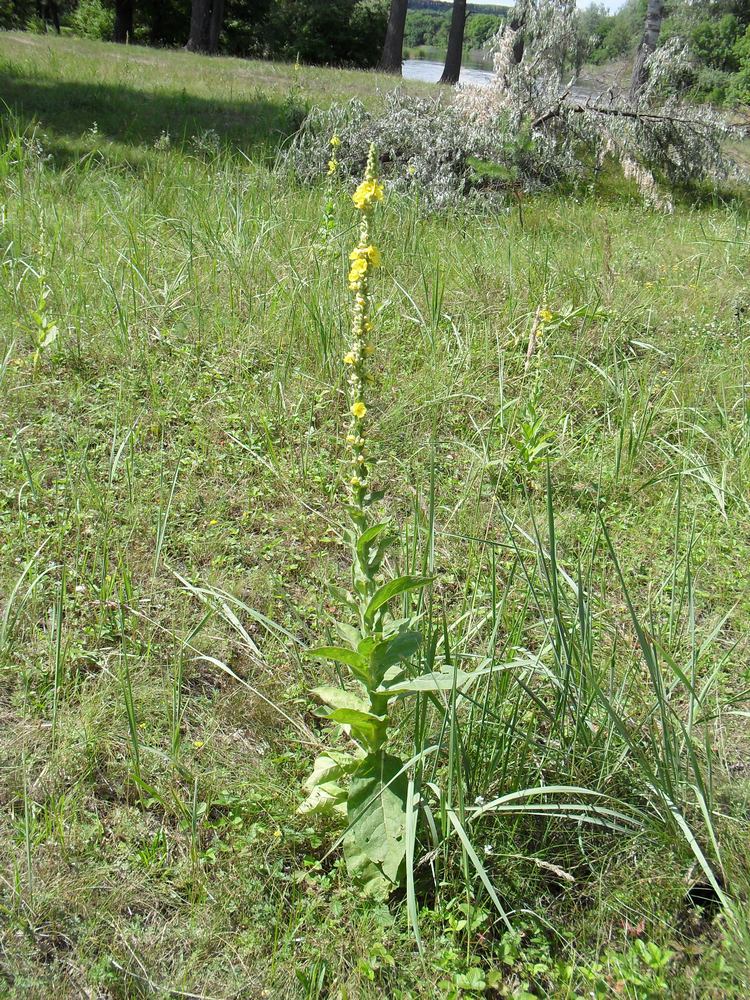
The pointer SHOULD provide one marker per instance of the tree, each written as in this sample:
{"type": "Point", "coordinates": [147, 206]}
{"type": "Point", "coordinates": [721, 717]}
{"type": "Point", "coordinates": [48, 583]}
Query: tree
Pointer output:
{"type": "Point", "coordinates": [452, 69]}
{"type": "Point", "coordinates": [392, 57]}
{"type": "Point", "coordinates": [206, 19]}
{"type": "Point", "coordinates": [51, 12]}
{"type": "Point", "coordinates": [123, 31]}
{"type": "Point", "coordinates": [652, 30]}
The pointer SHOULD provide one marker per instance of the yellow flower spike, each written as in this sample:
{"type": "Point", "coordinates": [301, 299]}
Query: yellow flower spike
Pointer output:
{"type": "Point", "coordinates": [359, 409]}
{"type": "Point", "coordinates": [350, 359]}
{"type": "Point", "coordinates": [335, 141]}
{"type": "Point", "coordinates": [332, 165]}
{"type": "Point", "coordinates": [367, 194]}
{"type": "Point", "coordinates": [358, 269]}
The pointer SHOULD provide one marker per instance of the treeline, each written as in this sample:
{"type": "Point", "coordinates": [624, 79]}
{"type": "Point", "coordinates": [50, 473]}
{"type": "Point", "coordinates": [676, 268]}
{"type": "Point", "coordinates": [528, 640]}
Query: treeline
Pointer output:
{"type": "Point", "coordinates": [428, 26]}
{"type": "Point", "coordinates": [335, 31]}
{"type": "Point", "coordinates": [716, 31]}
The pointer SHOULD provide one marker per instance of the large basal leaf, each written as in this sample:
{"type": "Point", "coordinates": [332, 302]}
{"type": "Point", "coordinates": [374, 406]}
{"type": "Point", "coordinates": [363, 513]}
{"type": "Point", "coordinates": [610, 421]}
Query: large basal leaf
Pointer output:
{"type": "Point", "coordinates": [324, 792]}
{"type": "Point", "coordinates": [375, 843]}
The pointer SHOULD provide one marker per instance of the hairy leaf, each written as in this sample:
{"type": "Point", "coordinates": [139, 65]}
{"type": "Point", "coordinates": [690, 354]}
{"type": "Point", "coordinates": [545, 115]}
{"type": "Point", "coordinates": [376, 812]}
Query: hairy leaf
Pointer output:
{"type": "Point", "coordinates": [392, 589]}
{"type": "Point", "coordinates": [375, 844]}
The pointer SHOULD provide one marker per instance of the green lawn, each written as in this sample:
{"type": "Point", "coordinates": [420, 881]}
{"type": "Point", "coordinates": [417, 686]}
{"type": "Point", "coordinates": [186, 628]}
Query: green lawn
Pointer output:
{"type": "Point", "coordinates": [187, 423]}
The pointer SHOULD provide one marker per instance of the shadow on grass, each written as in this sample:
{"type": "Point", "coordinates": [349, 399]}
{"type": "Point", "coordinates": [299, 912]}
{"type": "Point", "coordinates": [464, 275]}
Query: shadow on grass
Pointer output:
{"type": "Point", "coordinates": [129, 116]}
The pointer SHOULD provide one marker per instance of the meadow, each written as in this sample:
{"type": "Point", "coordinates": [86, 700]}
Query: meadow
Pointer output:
{"type": "Point", "coordinates": [173, 414]}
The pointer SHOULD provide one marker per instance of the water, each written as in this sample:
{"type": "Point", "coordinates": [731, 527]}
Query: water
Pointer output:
{"type": "Point", "coordinates": [430, 72]}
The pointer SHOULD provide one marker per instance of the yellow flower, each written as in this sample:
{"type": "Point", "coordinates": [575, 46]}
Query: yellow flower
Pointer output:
{"type": "Point", "coordinates": [354, 481]}
{"type": "Point", "coordinates": [545, 315]}
{"type": "Point", "coordinates": [359, 409]}
{"type": "Point", "coordinates": [197, 744]}
{"type": "Point", "coordinates": [335, 141]}
{"type": "Point", "coordinates": [332, 165]}
{"type": "Point", "coordinates": [370, 254]}
{"type": "Point", "coordinates": [349, 359]}
{"type": "Point", "coordinates": [358, 270]}
{"type": "Point", "coordinates": [350, 439]}
{"type": "Point", "coordinates": [367, 194]}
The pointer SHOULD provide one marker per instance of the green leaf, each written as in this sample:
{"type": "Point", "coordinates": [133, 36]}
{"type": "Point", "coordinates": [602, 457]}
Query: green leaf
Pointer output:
{"type": "Point", "coordinates": [375, 843]}
{"type": "Point", "coordinates": [390, 652]}
{"type": "Point", "coordinates": [343, 597]}
{"type": "Point", "coordinates": [324, 792]}
{"type": "Point", "coordinates": [340, 654]}
{"type": "Point", "coordinates": [392, 589]}
{"type": "Point", "coordinates": [336, 697]}
{"type": "Point", "coordinates": [366, 539]}
{"type": "Point", "coordinates": [367, 728]}
{"type": "Point", "coordinates": [348, 633]}
{"type": "Point", "coordinates": [327, 797]}
{"type": "Point", "coordinates": [445, 680]}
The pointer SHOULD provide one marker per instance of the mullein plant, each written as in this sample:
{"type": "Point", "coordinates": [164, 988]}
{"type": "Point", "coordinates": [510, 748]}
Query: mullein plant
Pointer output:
{"type": "Point", "coordinates": [364, 782]}
{"type": "Point", "coordinates": [328, 223]}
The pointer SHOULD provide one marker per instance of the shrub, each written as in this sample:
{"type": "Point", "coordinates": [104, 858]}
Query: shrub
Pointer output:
{"type": "Point", "coordinates": [91, 19]}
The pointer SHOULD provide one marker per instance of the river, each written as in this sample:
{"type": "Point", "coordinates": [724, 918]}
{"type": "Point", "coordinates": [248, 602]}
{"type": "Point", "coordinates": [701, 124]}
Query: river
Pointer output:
{"type": "Point", "coordinates": [430, 71]}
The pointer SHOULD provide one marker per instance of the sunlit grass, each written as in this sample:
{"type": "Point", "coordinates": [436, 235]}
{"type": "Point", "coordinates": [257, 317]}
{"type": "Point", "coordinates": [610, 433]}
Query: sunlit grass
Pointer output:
{"type": "Point", "coordinates": [189, 418]}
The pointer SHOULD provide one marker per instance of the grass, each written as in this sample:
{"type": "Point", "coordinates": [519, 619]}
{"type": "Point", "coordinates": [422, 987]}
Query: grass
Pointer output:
{"type": "Point", "coordinates": [186, 425]}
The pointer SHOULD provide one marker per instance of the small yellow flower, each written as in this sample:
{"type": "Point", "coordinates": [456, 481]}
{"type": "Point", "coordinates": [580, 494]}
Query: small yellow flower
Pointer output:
{"type": "Point", "coordinates": [359, 409]}
{"type": "Point", "coordinates": [332, 165]}
{"type": "Point", "coordinates": [213, 521]}
{"type": "Point", "coordinates": [198, 744]}
{"type": "Point", "coordinates": [350, 359]}
{"type": "Point", "coordinates": [354, 481]}
{"type": "Point", "coordinates": [358, 270]}
{"type": "Point", "coordinates": [351, 439]}
{"type": "Point", "coordinates": [367, 194]}
{"type": "Point", "coordinates": [545, 315]}
{"type": "Point", "coordinates": [335, 141]}
{"type": "Point", "coordinates": [369, 254]}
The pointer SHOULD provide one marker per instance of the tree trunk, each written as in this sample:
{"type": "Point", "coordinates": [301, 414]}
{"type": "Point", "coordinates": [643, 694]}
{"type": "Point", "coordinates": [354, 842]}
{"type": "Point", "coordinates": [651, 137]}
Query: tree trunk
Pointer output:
{"type": "Point", "coordinates": [393, 49]}
{"type": "Point", "coordinates": [123, 21]}
{"type": "Point", "coordinates": [654, 17]}
{"type": "Point", "coordinates": [517, 23]}
{"type": "Point", "coordinates": [51, 11]}
{"type": "Point", "coordinates": [217, 20]}
{"type": "Point", "coordinates": [200, 26]}
{"type": "Point", "coordinates": [452, 69]}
